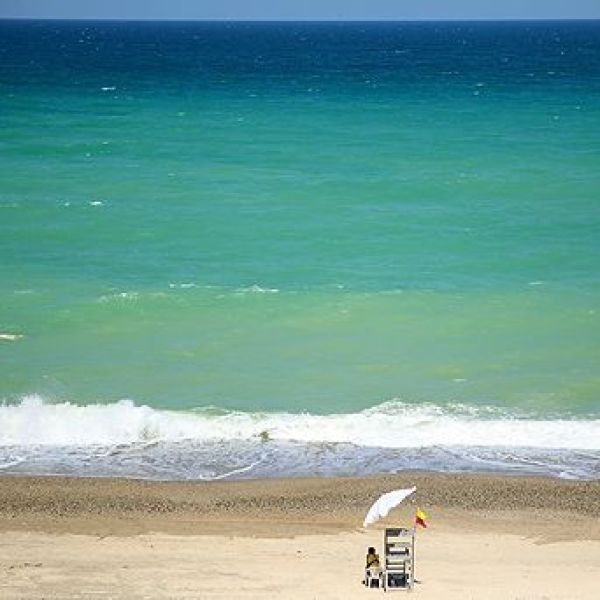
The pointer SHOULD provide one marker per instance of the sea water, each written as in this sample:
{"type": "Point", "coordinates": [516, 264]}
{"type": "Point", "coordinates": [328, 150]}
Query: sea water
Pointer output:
{"type": "Point", "coordinates": [257, 249]}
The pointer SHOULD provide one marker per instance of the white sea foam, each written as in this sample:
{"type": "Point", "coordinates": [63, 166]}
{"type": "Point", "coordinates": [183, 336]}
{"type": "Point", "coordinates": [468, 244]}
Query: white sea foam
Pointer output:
{"type": "Point", "coordinates": [10, 337]}
{"type": "Point", "coordinates": [11, 463]}
{"type": "Point", "coordinates": [257, 289]}
{"type": "Point", "coordinates": [182, 286]}
{"type": "Point", "coordinates": [119, 296]}
{"type": "Point", "coordinates": [389, 425]}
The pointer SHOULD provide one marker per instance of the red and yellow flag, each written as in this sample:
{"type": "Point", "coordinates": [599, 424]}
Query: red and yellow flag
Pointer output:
{"type": "Point", "coordinates": [421, 518]}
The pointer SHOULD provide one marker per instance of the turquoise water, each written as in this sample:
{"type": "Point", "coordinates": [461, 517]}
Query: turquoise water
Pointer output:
{"type": "Point", "coordinates": [278, 219]}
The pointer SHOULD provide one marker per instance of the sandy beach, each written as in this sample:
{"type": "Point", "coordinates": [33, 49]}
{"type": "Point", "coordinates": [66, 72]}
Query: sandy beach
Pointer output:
{"type": "Point", "coordinates": [488, 537]}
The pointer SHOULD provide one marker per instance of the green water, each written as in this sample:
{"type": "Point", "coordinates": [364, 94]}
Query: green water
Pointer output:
{"type": "Point", "coordinates": [316, 225]}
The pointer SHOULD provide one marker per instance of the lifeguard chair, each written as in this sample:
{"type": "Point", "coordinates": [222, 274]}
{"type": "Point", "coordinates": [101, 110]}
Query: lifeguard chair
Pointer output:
{"type": "Point", "coordinates": [399, 559]}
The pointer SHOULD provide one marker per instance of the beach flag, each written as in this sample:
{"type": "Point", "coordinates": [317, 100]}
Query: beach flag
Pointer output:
{"type": "Point", "coordinates": [421, 518]}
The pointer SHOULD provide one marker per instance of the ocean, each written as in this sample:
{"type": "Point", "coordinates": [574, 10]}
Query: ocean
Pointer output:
{"type": "Point", "coordinates": [287, 249]}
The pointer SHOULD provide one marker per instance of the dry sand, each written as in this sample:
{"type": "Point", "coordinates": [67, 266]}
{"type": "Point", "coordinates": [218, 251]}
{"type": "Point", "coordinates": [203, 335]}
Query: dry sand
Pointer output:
{"type": "Point", "coordinates": [489, 537]}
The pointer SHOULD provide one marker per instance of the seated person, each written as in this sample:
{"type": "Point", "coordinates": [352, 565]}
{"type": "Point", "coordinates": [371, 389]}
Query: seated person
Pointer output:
{"type": "Point", "coordinates": [372, 568]}
{"type": "Point", "coordinates": [372, 559]}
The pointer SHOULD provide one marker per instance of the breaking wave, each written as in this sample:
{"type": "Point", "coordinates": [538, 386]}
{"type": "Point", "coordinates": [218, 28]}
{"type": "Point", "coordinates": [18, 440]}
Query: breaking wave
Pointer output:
{"type": "Point", "coordinates": [392, 424]}
{"type": "Point", "coordinates": [127, 440]}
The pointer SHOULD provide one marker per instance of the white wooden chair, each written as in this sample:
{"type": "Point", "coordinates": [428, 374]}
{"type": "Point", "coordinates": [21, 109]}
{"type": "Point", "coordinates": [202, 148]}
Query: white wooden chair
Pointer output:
{"type": "Point", "coordinates": [374, 577]}
{"type": "Point", "coordinates": [398, 561]}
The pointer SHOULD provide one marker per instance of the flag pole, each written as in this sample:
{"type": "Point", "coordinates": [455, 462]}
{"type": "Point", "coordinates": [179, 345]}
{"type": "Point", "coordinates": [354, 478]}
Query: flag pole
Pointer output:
{"type": "Point", "coordinates": [412, 577]}
{"type": "Point", "coordinates": [420, 519]}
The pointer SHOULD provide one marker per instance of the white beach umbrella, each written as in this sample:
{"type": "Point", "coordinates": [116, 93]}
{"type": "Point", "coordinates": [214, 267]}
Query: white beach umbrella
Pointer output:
{"type": "Point", "coordinates": [385, 503]}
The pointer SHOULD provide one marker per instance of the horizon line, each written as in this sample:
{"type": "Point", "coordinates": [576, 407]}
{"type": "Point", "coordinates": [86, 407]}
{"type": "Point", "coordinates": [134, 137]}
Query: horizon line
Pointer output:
{"type": "Point", "coordinates": [345, 20]}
